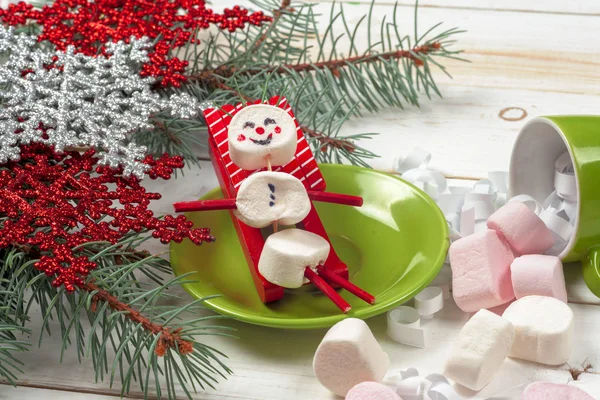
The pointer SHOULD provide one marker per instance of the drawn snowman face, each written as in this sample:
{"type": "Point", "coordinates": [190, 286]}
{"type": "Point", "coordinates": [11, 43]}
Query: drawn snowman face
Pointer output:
{"type": "Point", "coordinates": [259, 132]}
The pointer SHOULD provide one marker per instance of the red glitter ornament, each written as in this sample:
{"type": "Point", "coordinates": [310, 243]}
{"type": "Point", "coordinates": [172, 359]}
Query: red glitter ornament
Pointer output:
{"type": "Point", "coordinates": [170, 24]}
{"type": "Point", "coordinates": [56, 202]}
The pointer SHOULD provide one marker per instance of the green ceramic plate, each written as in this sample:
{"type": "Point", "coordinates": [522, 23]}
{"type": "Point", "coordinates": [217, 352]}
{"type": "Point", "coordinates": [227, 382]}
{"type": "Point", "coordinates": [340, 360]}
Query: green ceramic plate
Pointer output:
{"type": "Point", "coordinates": [394, 245]}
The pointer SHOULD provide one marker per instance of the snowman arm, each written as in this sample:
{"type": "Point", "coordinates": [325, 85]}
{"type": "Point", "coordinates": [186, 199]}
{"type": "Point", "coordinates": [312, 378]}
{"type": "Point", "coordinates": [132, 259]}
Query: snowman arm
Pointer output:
{"type": "Point", "coordinates": [336, 198]}
{"type": "Point", "coordinates": [204, 205]}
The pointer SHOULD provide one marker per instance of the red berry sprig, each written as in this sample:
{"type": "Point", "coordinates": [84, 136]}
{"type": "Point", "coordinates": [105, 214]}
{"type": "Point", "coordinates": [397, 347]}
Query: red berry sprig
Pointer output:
{"type": "Point", "coordinates": [89, 24]}
{"type": "Point", "coordinates": [55, 202]}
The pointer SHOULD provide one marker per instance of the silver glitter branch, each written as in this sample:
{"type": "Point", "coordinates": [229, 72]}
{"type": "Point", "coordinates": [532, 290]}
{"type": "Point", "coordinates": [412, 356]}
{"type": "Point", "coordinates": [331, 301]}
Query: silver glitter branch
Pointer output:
{"type": "Point", "coordinates": [80, 101]}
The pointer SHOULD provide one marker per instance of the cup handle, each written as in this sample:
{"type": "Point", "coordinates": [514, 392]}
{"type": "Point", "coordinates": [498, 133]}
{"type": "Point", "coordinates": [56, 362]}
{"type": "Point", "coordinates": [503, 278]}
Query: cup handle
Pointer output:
{"type": "Point", "coordinates": [591, 270]}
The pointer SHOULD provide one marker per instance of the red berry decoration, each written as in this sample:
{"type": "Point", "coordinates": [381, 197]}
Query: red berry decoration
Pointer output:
{"type": "Point", "coordinates": [170, 24]}
{"type": "Point", "coordinates": [55, 202]}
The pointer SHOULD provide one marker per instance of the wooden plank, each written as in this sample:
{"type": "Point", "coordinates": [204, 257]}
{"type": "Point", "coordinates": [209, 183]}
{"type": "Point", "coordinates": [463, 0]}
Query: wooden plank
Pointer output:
{"type": "Point", "coordinates": [588, 8]}
{"type": "Point", "coordinates": [9, 392]}
{"type": "Point", "coordinates": [539, 56]}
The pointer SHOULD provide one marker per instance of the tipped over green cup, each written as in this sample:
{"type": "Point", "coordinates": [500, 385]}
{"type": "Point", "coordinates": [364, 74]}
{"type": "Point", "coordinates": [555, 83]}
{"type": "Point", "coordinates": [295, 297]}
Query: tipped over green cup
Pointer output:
{"type": "Point", "coordinates": [532, 166]}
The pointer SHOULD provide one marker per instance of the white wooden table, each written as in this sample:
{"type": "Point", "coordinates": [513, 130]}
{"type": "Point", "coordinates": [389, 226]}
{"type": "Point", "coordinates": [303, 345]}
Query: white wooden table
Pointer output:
{"type": "Point", "coordinates": [540, 56]}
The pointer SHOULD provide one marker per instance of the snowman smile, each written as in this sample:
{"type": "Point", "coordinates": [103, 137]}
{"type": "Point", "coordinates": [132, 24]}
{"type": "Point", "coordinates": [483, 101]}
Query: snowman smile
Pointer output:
{"type": "Point", "coordinates": [264, 142]}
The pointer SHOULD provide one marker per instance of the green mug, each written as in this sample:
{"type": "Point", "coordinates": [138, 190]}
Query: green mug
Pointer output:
{"type": "Point", "coordinates": [539, 143]}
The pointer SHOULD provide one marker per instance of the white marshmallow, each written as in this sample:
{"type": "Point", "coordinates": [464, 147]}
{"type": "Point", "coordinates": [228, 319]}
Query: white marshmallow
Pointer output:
{"type": "Point", "coordinates": [260, 131]}
{"type": "Point", "coordinates": [287, 254]}
{"type": "Point", "coordinates": [543, 329]}
{"type": "Point", "coordinates": [348, 355]}
{"type": "Point", "coordinates": [481, 348]}
{"type": "Point", "coordinates": [265, 197]}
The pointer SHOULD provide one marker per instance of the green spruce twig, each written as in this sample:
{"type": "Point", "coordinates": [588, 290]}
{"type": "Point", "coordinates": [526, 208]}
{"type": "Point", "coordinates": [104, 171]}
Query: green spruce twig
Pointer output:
{"type": "Point", "coordinates": [123, 324]}
{"type": "Point", "coordinates": [329, 82]}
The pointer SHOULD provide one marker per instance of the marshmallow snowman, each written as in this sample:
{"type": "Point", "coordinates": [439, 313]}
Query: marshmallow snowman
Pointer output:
{"type": "Point", "coordinates": [260, 132]}
{"type": "Point", "coordinates": [262, 135]}
{"type": "Point", "coordinates": [267, 197]}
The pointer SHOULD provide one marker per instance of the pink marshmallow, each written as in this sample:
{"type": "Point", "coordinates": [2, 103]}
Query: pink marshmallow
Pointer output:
{"type": "Point", "coordinates": [547, 391]}
{"type": "Point", "coordinates": [481, 271]}
{"type": "Point", "coordinates": [538, 275]}
{"type": "Point", "coordinates": [525, 232]}
{"type": "Point", "coordinates": [371, 391]}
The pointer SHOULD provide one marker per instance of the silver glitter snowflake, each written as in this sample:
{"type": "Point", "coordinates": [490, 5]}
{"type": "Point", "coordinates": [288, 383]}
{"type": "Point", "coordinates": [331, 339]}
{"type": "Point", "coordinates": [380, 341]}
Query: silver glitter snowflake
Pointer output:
{"type": "Point", "coordinates": [80, 100]}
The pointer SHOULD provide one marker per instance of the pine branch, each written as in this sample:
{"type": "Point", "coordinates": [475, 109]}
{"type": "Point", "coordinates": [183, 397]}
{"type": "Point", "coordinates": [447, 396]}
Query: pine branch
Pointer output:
{"type": "Point", "coordinates": [131, 335]}
{"type": "Point", "coordinates": [10, 365]}
{"type": "Point", "coordinates": [168, 340]}
{"type": "Point", "coordinates": [277, 14]}
{"type": "Point", "coordinates": [335, 65]}
{"type": "Point", "coordinates": [329, 88]}
{"type": "Point", "coordinates": [11, 322]}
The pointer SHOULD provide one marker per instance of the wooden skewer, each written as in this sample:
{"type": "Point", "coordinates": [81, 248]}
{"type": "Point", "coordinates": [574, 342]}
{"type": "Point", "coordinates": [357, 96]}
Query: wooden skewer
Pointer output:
{"type": "Point", "coordinates": [346, 284]}
{"type": "Point", "coordinates": [334, 296]}
{"type": "Point", "coordinates": [229, 204]}
{"type": "Point", "coordinates": [270, 168]}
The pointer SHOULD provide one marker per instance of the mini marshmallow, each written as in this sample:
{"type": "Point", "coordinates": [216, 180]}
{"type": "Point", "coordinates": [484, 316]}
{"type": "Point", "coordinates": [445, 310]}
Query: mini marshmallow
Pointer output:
{"type": "Point", "coordinates": [481, 348]}
{"type": "Point", "coordinates": [523, 229]}
{"type": "Point", "coordinates": [538, 275]}
{"type": "Point", "coordinates": [348, 355]}
{"type": "Point", "coordinates": [287, 254]}
{"type": "Point", "coordinates": [481, 271]}
{"type": "Point", "coordinates": [371, 391]}
{"type": "Point", "coordinates": [261, 131]}
{"type": "Point", "coordinates": [548, 390]}
{"type": "Point", "coordinates": [543, 329]}
{"type": "Point", "coordinates": [266, 197]}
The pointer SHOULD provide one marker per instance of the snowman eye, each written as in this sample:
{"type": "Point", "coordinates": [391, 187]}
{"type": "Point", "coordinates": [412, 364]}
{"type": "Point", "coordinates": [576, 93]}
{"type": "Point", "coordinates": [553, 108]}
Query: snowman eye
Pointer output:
{"type": "Point", "coordinates": [248, 124]}
{"type": "Point", "coordinates": [269, 121]}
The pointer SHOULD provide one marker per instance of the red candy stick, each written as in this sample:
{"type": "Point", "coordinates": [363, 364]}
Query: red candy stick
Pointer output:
{"type": "Point", "coordinates": [205, 205]}
{"type": "Point", "coordinates": [327, 290]}
{"type": "Point", "coordinates": [346, 284]}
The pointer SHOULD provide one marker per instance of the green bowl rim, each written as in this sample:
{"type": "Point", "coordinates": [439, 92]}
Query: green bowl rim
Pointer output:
{"type": "Point", "coordinates": [325, 322]}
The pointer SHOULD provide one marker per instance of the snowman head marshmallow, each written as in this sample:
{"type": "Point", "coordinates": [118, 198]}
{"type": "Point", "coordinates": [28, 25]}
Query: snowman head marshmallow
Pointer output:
{"type": "Point", "coordinates": [259, 132]}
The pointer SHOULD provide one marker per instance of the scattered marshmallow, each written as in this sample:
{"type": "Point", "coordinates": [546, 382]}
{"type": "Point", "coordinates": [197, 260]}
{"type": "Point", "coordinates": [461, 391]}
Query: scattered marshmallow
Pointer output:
{"type": "Point", "coordinates": [287, 253]}
{"type": "Point", "coordinates": [266, 197]}
{"type": "Point", "coordinates": [525, 232]}
{"type": "Point", "coordinates": [371, 391]}
{"type": "Point", "coordinates": [348, 355]}
{"type": "Point", "coordinates": [538, 275]}
{"type": "Point", "coordinates": [261, 131]}
{"type": "Point", "coordinates": [481, 271]}
{"type": "Point", "coordinates": [543, 329]}
{"type": "Point", "coordinates": [548, 390]}
{"type": "Point", "coordinates": [481, 348]}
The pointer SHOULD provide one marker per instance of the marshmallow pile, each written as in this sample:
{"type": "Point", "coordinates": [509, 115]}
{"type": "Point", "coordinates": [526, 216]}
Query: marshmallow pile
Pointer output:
{"type": "Point", "coordinates": [262, 136]}
{"type": "Point", "coordinates": [501, 251]}
{"type": "Point", "coordinates": [534, 328]}
{"type": "Point", "coordinates": [492, 267]}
